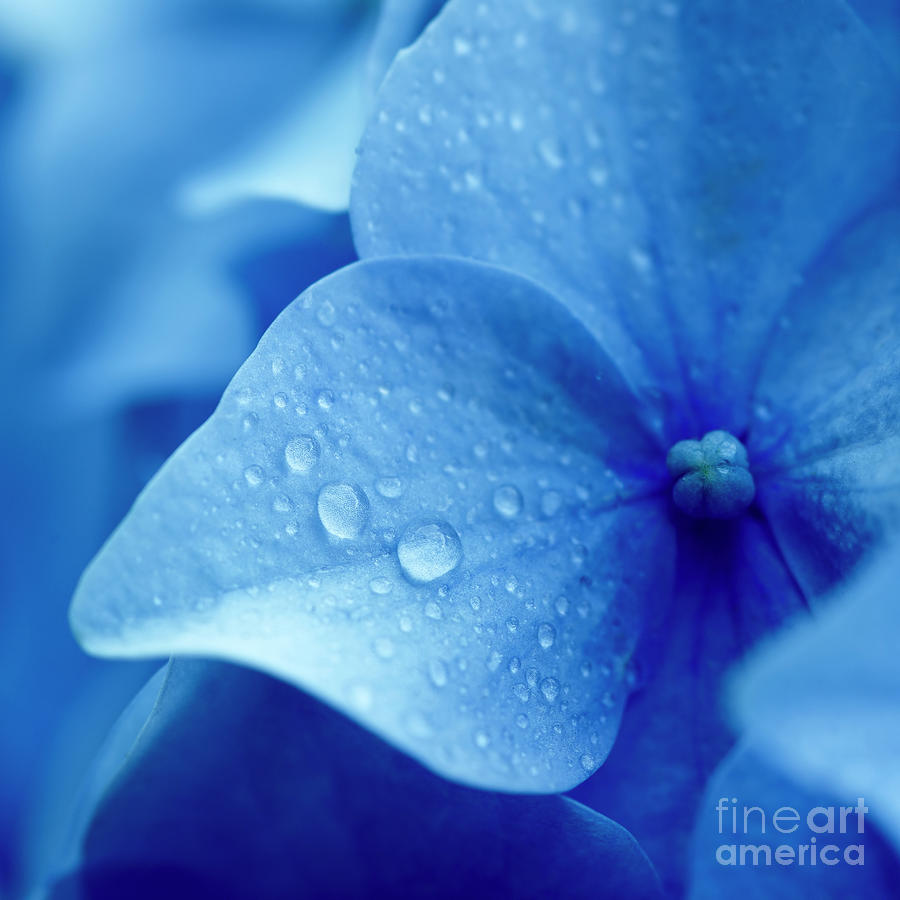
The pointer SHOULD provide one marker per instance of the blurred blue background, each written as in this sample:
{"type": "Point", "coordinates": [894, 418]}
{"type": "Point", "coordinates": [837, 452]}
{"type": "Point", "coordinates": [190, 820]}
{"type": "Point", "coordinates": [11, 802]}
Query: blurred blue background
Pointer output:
{"type": "Point", "coordinates": [172, 174]}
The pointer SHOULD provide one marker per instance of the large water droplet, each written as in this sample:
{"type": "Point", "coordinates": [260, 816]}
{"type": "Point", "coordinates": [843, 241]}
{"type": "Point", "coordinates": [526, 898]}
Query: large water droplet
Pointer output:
{"type": "Point", "coordinates": [508, 501]}
{"type": "Point", "coordinates": [428, 550]}
{"type": "Point", "coordinates": [302, 453]}
{"type": "Point", "coordinates": [343, 510]}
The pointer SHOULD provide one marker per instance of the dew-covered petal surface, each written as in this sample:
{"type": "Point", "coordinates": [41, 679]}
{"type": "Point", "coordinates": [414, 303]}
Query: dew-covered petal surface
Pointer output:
{"type": "Point", "coordinates": [668, 169]}
{"type": "Point", "coordinates": [731, 588]}
{"type": "Point", "coordinates": [825, 435]}
{"type": "Point", "coordinates": [872, 872]}
{"type": "Point", "coordinates": [316, 806]}
{"type": "Point", "coordinates": [821, 701]}
{"type": "Point", "coordinates": [426, 499]}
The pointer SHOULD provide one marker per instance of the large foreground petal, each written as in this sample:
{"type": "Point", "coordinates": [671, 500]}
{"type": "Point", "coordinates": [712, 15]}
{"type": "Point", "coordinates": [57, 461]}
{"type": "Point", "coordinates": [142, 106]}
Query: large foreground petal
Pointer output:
{"type": "Point", "coordinates": [240, 784]}
{"type": "Point", "coordinates": [426, 499]}
{"type": "Point", "coordinates": [825, 438]}
{"type": "Point", "coordinates": [668, 170]}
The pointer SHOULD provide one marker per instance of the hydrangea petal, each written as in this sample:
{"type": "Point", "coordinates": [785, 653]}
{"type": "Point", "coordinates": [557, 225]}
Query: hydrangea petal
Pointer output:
{"type": "Point", "coordinates": [317, 807]}
{"type": "Point", "coordinates": [428, 498]}
{"type": "Point", "coordinates": [747, 777]}
{"type": "Point", "coordinates": [826, 434]}
{"type": "Point", "coordinates": [821, 701]}
{"type": "Point", "coordinates": [731, 588]}
{"type": "Point", "coordinates": [668, 180]}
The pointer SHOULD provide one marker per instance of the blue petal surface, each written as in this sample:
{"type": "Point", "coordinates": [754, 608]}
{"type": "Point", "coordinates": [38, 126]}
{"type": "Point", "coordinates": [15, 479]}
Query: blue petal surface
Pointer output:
{"type": "Point", "coordinates": [249, 788]}
{"type": "Point", "coordinates": [666, 169]}
{"type": "Point", "coordinates": [731, 588]}
{"type": "Point", "coordinates": [821, 701]}
{"type": "Point", "coordinates": [826, 431]}
{"type": "Point", "coordinates": [753, 782]}
{"type": "Point", "coordinates": [428, 499]}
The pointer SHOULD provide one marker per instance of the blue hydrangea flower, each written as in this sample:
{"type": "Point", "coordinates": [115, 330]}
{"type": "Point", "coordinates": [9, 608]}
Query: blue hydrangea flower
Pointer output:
{"type": "Point", "coordinates": [437, 495]}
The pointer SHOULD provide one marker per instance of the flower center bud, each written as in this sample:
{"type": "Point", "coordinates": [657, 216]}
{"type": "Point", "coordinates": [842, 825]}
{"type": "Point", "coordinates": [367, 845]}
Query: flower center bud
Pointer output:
{"type": "Point", "coordinates": [713, 480]}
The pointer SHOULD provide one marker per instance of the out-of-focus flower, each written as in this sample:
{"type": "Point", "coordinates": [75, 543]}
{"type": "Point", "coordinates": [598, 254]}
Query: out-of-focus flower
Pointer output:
{"type": "Point", "coordinates": [437, 495]}
{"type": "Point", "coordinates": [820, 702]}
{"type": "Point", "coordinates": [817, 707]}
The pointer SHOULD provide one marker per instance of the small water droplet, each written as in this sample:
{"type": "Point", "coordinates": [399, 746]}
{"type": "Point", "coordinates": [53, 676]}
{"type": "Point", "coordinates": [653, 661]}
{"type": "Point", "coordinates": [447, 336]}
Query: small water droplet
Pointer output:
{"type": "Point", "coordinates": [428, 550]}
{"type": "Point", "coordinates": [508, 501]}
{"type": "Point", "coordinates": [343, 510]}
{"type": "Point", "coordinates": [326, 314]}
{"type": "Point", "coordinates": [522, 720]}
{"type": "Point", "coordinates": [481, 739]}
{"type": "Point", "coordinates": [552, 153]}
{"type": "Point", "coordinates": [462, 46]}
{"type": "Point", "coordinates": [380, 585]}
{"type": "Point", "coordinates": [302, 453]}
{"type": "Point", "coordinates": [437, 672]}
{"type": "Point", "coordinates": [281, 504]}
{"type": "Point", "coordinates": [325, 399]}
{"type": "Point", "coordinates": [546, 635]}
{"type": "Point", "coordinates": [551, 501]}
{"type": "Point", "coordinates": [254, 475]}
{"type": "Point", "coordinates": [389, 487]}
{"type": "Point", "coordinates": [550, 689]}
{"type": "Point", "coordinates": [588, 763]}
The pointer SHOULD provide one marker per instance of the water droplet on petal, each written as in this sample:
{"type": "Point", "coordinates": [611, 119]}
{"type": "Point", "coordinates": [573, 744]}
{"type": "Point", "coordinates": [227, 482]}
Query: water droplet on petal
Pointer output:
{"type": "Point", "coordinates": [428, 550]}
{"type": "Point", "coordinates": [551, 502]}
{"type": "Point", "coordinates": [380, 585]}
{"type": "Point", "coordinates": [437, 671]}
{"type": "Point", "coordinates": [550, 689]}
{"type": "Point", "coordinates": [343, 510]}
{"type": "Point", "coordinates": [389, 487]}
{"type": "Point", "coordinates": [326, 314]}
{"type": "Point", "coordinates": [302, 453]}
{"type": "Point", "coordinates": [546, 635]}
{"type": "Point", "coordinates": [508, 501]}
{"type": "Point", "coordinates": [253, 475]}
